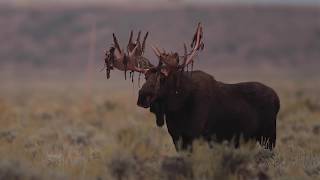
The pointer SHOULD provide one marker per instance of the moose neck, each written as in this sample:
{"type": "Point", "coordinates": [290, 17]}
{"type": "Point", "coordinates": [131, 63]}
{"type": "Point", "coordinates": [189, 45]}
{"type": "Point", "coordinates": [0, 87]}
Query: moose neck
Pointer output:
{"type": "Point", "coordinates": [179, 88]}
{"type": "Point", "coordinates": [184, 80]}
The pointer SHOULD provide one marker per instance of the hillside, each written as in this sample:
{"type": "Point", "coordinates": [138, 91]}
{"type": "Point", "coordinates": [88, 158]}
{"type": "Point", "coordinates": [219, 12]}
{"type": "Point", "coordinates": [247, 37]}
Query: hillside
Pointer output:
{"type": "Point", "coordinates": [233, 34]}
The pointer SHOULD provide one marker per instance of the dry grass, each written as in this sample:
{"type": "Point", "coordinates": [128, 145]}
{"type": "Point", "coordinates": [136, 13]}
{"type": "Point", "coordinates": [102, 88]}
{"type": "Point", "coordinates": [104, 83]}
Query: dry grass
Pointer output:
{"type": "Point", "coordinates": [61, 133]}
{"type": "Point", "coordinates": [66, 124]}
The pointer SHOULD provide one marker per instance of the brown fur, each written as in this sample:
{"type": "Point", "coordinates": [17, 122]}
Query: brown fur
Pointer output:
{"type": "Point", "coordinates": [197, 106]}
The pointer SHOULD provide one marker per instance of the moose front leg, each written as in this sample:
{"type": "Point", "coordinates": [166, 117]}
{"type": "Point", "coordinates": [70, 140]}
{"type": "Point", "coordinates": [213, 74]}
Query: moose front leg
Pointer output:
{"type": "Point", "coordinates": [197, 124]}
{"type": "Point", "coordinates": [182, 143]}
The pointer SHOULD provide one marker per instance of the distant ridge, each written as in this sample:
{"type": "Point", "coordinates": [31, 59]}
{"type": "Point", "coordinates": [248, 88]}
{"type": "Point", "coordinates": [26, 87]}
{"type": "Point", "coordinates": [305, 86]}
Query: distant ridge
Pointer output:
{"type": "Point", "coordinates": [247, 34]}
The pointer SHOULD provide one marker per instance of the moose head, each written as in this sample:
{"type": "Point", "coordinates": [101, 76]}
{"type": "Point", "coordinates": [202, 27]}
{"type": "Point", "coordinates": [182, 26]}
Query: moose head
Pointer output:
{"type": "Point", "coordinates": [164, 79]}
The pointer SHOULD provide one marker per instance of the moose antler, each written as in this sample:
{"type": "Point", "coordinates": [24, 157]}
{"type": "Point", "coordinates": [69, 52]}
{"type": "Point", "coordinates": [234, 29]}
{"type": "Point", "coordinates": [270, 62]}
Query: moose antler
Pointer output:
{"type": "Point", "coordinates": [132, 60]}
{"type": "Point", "coordinates": [172, 60]}
{"type": "Point", "coordinates": [124, 61]}
{"type": "Point", "coordinates": [196, 44]}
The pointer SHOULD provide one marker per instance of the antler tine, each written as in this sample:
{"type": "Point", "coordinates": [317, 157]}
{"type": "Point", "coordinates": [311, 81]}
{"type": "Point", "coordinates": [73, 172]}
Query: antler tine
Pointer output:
{"type": "Point", "coordinates": [194, 39]}
{"type": "Point", "coordinates": [131, 53]}
{"type": "Point", "coordinates": [130, 39]}
{"type": "Point", "coordinates": [156, 51]}
{"type": "Point", "coordinates": [144, 42]}
{"type": "Point", "coordinates": [131, 44]}
{"type": "Point", "coordinates": [196, 44]}
{"type": "Point", "coordinates": [185, 54]}
{"type": "Point", "coordinates": [138, 38]}
{"type": "Point", "coordinates": [116, 44]}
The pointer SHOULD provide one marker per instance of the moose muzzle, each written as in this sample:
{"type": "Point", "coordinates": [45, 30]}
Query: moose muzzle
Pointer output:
{"type": "Point", "coordinates": [144, 99]}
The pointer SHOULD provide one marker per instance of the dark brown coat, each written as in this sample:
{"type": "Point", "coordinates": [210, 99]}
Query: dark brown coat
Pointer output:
{"type": "Point", "coordinates": [197, 106]}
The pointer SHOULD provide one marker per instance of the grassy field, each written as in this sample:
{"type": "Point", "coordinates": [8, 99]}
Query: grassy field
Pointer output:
{"type": "Point", "coordinates": [69, 129]}
{"type": "Point", "coordinates": [60, 118]}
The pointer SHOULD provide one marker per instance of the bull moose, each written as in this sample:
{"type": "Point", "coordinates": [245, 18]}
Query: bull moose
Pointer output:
{"type": "Point", "coordinates": [192, 103]}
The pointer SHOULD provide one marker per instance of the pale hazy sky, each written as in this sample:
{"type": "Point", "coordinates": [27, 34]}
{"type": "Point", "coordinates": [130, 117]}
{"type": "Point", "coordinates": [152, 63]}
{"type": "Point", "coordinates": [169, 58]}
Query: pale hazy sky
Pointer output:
{"type": "Point", "coordinates": [181, 1]}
